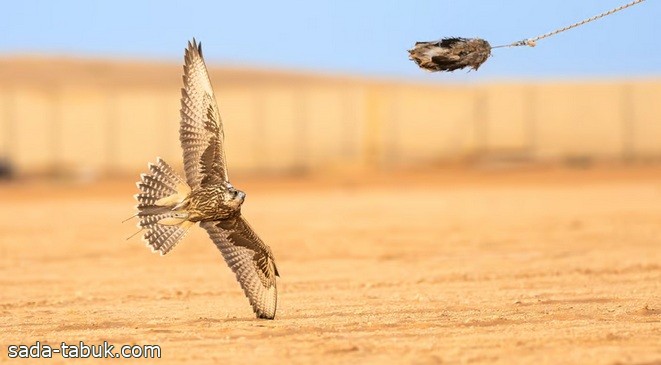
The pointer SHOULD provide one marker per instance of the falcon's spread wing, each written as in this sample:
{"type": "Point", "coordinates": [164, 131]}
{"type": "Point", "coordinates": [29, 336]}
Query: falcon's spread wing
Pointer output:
{"type": "Point", "coordinates": [250, 259]}
{"type": "Point", "coordinates": [201, 129]}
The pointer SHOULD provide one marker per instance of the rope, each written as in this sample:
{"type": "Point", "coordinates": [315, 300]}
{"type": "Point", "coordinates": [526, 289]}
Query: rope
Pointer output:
{"type": "Point", "coordinates": [531, 42]}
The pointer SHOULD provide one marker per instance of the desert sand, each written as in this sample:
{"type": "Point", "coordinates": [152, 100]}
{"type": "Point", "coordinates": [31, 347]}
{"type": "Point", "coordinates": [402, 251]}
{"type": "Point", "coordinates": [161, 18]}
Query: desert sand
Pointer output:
{"type": "Point", "coordinates": [547, 266]}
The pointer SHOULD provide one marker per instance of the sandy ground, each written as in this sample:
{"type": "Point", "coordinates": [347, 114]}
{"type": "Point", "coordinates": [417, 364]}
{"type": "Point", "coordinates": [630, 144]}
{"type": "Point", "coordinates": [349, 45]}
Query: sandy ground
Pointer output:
{"type": "Point", "coordinates": [538, 267]}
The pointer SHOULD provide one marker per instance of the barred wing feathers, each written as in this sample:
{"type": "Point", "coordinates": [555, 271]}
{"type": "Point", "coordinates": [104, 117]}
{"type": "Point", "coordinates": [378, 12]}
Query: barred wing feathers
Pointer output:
{"type": "Point", "coordinates": [251, 261]}
{"type": "Point", "coordinates": [201, 129]}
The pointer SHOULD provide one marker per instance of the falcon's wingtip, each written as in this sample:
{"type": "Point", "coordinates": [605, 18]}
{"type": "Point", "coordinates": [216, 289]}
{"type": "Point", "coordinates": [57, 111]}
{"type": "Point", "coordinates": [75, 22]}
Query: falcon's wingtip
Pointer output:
{"type": "Point", "coordinates": [194, 46]}
{"type": "Point", "coordinates": [265, 316]}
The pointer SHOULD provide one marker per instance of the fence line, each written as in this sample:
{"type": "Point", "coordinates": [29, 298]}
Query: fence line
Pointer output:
{"type": "Point", "coordinates": [310, 127]}
{"type": "Point", "coordinates": [628, 123]}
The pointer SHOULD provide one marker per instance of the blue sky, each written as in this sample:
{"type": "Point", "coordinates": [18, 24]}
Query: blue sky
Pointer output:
{"type": "Point", "coordinates": [344, 36]}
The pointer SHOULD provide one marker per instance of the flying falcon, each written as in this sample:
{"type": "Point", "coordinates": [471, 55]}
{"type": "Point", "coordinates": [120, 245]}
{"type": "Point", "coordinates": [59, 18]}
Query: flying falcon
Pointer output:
{"type": "Point", "coordinates": [168, 205]}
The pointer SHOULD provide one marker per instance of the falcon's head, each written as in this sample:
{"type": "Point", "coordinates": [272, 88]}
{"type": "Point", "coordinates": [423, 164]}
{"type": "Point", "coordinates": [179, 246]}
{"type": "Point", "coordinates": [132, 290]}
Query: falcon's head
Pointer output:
{"type": "Point", "coordinates": [232, 197]}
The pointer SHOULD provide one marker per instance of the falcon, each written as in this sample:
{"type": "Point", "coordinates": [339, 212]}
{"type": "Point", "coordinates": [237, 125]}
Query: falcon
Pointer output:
{"type": "Point", "coordinates": [168, 205]}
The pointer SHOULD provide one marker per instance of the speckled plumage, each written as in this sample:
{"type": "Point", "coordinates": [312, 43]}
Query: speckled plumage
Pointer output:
{"type": "Point", "coordinates": [168, 206]}
{"type": "Point", "coordinates": [450, 54]}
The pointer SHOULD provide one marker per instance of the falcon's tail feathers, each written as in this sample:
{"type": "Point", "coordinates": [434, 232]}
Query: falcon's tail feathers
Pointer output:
{"type": "Point", "coordinates": [161, 207]}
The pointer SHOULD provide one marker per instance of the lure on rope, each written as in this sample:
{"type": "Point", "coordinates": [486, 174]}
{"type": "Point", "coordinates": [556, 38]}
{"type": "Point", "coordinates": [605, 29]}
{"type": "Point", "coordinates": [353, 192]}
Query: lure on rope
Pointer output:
{"type": "Point", "coordinates": [454, 53]}
{"type": "Point", "coordinates": [450, 54]}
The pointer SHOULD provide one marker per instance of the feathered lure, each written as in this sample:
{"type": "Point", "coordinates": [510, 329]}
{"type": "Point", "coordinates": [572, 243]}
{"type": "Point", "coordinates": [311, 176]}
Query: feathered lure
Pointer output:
{"type": "Point", "coordinates": [450, 54]}
{"type": "Point", "coordinates": [455, 53]}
